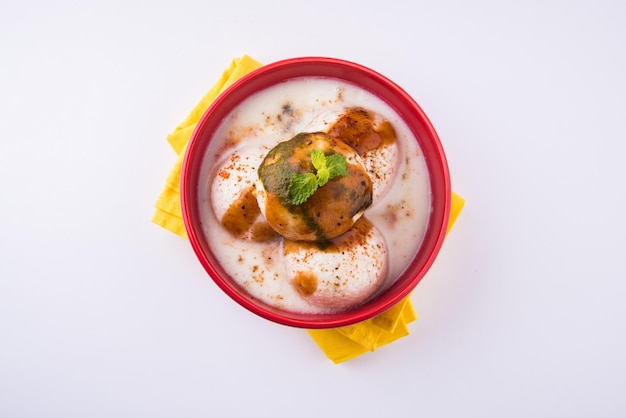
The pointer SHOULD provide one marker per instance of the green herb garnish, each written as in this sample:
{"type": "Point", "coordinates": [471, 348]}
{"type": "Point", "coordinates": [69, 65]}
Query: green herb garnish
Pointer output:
{"type": "Point", "coordinates": [327, 167]}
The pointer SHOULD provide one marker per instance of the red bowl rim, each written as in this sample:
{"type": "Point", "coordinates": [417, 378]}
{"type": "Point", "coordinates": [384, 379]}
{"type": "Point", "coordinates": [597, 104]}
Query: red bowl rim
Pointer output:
{"type": "Point", "coordinates": [360, 76]}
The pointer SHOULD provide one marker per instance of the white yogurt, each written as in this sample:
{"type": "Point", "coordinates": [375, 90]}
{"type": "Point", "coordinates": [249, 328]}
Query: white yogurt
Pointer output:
{"type": "Point", "coordinates": [277, 114]}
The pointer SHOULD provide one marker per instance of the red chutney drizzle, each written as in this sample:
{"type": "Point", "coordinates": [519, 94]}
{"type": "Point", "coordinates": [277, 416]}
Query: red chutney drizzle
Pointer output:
{"type": "Point", "coordinates": [241, 216]}
{"type": "Point", "coordinates": [360, 129]}
{"type": "Point", "coordinates": [305, 282]}
{"type": "Point", "coordinates": [262, 232]}
{"type": "Point", "coordinates": [242, 213]}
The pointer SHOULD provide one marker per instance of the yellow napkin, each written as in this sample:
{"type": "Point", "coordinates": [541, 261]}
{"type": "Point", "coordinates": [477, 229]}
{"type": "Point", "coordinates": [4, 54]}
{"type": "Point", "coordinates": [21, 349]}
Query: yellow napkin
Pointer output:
{"type": "Point", "coordinates": [339, 344]}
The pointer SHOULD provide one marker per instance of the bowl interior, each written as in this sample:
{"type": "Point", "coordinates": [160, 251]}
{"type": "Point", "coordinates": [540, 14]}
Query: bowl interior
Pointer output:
{"type": "Point", "coordinates": [362, 77]}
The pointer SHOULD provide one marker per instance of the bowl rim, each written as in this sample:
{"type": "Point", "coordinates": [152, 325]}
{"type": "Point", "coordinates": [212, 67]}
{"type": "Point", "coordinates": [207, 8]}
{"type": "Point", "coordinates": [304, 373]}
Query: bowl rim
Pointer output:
{"type": "Point", "coordinates": [360, 76]}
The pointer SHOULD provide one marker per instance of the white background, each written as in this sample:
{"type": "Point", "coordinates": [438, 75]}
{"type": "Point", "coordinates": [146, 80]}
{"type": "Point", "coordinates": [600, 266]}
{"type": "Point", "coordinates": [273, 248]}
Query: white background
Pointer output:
{"type": "Point", "coordinates": [103, 313]}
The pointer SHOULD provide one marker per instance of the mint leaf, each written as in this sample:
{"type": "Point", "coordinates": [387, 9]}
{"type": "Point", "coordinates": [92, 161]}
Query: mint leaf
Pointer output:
{"type": "Point", "coordinates": [337, 165]}
{"type": "Point", "coordinates": [323, 175]}
{"type": "Point", "coordinates": [318, 159]}
{"type": "Point", "coordinates": [301, 187]}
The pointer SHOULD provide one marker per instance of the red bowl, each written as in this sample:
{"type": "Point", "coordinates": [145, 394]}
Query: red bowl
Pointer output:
{"type": "Point", "coordinates": [362, 77]}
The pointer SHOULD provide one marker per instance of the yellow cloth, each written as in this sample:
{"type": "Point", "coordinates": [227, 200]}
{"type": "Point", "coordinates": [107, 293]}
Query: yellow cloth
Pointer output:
{"type": "Point", "coordinates": [339, 344]}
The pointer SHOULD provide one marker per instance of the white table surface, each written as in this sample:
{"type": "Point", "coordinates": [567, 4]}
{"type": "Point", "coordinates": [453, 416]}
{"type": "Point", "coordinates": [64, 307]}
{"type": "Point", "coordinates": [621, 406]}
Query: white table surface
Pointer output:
{"type": "Point", "coordinates": [104, 314]}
